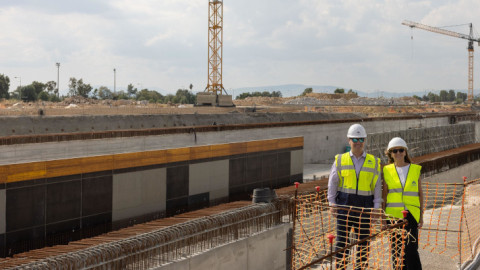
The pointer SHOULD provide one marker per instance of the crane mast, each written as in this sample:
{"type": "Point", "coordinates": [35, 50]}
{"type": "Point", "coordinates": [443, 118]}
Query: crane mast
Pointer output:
{"type": "Point", "coordinates": [215, 48]}
{"type": "Point", "coordinates": [470, 49]}
{"type": "Point", "coordinates": [214, 92]}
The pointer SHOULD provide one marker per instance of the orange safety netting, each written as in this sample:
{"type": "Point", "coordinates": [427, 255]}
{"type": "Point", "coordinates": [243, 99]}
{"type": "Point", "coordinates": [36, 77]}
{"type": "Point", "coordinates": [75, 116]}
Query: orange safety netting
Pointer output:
{"type": "Point", "coordinates": [452, 220]}
{"type": "Point", "coordinates": [370, 239]}
{"type": "Point", "coordinates": [451, 227]}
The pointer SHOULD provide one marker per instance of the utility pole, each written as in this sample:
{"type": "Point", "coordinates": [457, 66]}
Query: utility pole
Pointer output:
{"type": "Point", "coordinates": [20, 87]}
{"type": "Point", "coordinates": [58, 79]}
{"type": "Point", "coordinates": [114, 80]}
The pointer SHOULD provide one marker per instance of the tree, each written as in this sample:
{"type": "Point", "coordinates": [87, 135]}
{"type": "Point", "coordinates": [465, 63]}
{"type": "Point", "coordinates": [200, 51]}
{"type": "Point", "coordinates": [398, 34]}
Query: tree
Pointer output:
{"type": "Point", "coordinates": [83, 88]}
{"type": "Point", "coordinates": [276, 94]}
{"type": "Point", "coordinates": [307, 91]}
{"type": "Point", "coordinates": [51, 86]}
{"type": "Point", "coordinates": [417, 97]}
{"type": "Point", "coordinates": [352, 92]}
{"type": "Point", "coordinates": [433, 97]}
{"type": "Point", "coordinates": [72, 87]}
{"type": "Point", "coordinates": [104, 93]}
{"type": "Point", "coordinates": [29, 93]}
{"type": "Point", "coordinates": [78, 88]}
{"type": "Point", "coordinates": [39, 87]}
{"type": "Point", "coordinates": [183, 96]}
{"type": "Point", "coordinates": [4, 86]}
{"type": "Point", "coordinates": [339, 91]}
{"type": "Point", "coordinates": [43, 96]}
{"type": "Point", "coordinates": [451, 95]}
{"type": "Point", "coordinates": [443, 95]}
{"type": "Point", "coordinates": [461, 96]}
{"type": "Point", "coordinates": [151, 96]}
{"type": "Point", "coordinates": [131, 91]}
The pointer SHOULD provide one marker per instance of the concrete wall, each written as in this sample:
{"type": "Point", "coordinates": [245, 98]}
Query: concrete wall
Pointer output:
{"type": "Point", "coordinates": [322, 142]}
{"type": "Point", "coordinates": [139, 193]}
{"type": "Point", "coordinates": [27, 125]}
{"type": "Point", "coordinates": [265, 250]}
{"type": "Point", "coordinates": [470, 170]}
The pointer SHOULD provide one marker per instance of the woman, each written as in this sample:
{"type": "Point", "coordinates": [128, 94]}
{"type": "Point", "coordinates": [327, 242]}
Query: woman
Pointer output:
{"type": "Point", "coordinates": [404, 193]}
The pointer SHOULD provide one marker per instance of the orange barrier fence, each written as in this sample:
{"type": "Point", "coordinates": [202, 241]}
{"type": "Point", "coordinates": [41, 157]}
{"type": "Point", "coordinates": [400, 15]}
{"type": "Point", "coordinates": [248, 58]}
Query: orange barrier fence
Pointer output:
{"type": "Point", "coordinates": [452, 220]}
{"type": "Point", "coordinates": [318, 244]}
{"type": "Point", "coordinates": [372, 240]}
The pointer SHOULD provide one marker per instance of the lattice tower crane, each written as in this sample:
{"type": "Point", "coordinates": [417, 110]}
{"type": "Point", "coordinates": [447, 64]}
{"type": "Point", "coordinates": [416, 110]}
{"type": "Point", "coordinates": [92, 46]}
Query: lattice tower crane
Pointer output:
{"type": "Point", "coordinates": [215, 47]}
{"type": "Point", "coordinates": [214, 93]}
{"type": "Point", "coordinates": [471, 38]}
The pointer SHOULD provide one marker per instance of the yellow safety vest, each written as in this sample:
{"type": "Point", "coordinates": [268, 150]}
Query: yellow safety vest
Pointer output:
{"type": "Point", "coordinates": [367, 178]}
{"type": "Point", "coordinates": [400, 198]}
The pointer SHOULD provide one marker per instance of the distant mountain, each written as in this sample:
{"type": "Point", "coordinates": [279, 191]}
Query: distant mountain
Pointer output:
{"type": "Point", "coordinates": [291, 90]}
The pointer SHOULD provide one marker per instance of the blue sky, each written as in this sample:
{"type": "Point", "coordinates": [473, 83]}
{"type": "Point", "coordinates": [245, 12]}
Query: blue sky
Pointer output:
{"type": "Point", "coordinates": [162, 45]}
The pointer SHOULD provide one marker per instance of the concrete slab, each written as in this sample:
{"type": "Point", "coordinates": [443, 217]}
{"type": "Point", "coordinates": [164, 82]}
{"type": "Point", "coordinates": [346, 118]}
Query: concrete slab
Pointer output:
{"type": "Point", "coordinates": [316, 171]}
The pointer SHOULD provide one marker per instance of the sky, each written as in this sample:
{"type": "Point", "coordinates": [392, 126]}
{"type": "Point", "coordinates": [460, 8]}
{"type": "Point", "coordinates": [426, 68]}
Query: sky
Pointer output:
{"type": "Point", "coordinates": [162, 45]}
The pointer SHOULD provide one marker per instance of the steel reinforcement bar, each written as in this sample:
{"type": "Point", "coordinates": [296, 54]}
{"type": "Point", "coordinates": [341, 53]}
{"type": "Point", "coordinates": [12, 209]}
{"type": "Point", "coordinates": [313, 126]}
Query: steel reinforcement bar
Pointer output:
{"type": "Point", "coordinates": [162, 246]}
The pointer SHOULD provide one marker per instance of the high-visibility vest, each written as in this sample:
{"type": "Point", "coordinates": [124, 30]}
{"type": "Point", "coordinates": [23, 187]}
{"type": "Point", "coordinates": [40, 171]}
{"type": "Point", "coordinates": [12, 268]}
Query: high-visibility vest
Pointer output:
{"type": "Point", "coordinates": [402, 198]}
{"type": "Point", "coordinates": [367, 178]}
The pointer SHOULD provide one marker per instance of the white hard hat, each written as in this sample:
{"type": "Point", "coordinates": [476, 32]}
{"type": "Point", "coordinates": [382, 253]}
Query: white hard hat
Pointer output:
{"type": "Point", "coordinates": [356, 131]}
{"type": "Point", "coordinates": [397, 142]}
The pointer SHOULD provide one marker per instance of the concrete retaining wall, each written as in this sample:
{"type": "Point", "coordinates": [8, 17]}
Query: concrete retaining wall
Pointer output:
{"type": "Point", "coordinates": [322, 142]}
{"type": "Point", "coordinates": [265, 250]}
{"type": "Point", "coordinates": [470, 170]}
{"type": "Point", "coordinates": [28, 125]}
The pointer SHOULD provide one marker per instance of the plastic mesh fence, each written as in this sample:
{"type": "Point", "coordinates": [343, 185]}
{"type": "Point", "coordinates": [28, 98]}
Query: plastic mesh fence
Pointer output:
{"type": "Point", "coordinates": [451, 227]}
{"type": "Point", "coordinates": [364, 239]}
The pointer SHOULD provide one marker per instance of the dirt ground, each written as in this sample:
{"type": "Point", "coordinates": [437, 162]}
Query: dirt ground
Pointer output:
{"type": "Point", "coordinates": [336, 103]}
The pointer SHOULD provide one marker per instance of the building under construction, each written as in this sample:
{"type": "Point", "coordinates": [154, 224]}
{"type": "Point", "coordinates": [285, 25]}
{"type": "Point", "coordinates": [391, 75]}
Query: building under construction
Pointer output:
{"type": "Point", "coordinates": [169, 191]}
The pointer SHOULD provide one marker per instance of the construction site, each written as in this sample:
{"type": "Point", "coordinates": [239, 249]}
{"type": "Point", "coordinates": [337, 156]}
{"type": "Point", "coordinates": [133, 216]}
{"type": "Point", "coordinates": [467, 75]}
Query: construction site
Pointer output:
{"type": "Point", "coordinates": [229, 184]}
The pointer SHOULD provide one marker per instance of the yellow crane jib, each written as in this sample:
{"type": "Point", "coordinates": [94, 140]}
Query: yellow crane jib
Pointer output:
{"type": "Point", "coordinates": [471, 38]}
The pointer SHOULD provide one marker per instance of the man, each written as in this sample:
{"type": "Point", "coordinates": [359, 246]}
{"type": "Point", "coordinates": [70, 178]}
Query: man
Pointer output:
{"type": "Point", "coordinates": [355, 181]}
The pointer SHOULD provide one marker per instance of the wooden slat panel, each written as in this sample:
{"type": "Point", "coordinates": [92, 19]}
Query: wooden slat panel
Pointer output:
{"type": "Point", "coordinates": [97, 164]}
{"type": "Point", "coordinates": [178, 154]}
{"type": "Point", "coordinates": [127, 160]}
{"type": "Point", "coordinates": [55, 168]}
{"type": "Point", "coordinates": [25, 171]}
{"type": "Point", "coordinates": [63, 167]}
{"type": "Point", "coordinates": [290, 142]}
{"type": "Point", "coordinates": [3, 173]}
{"type": "Point", "coordinates": [220, 150]}
{"type": "Point", "coordinates": [153, 158]}
{"type": "Point", "coordinates": [260, 146]}
{"type": "Point", "coordinates": [238, 148]}
{"type": "Point", "coordinates": [200, 152]}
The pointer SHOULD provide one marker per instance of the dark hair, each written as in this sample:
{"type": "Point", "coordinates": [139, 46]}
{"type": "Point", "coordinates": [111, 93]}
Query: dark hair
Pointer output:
{"type": "Point", "coordinates": [390, 158]}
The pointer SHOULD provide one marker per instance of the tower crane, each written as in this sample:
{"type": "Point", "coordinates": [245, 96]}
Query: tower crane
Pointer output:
{"type": "Point", "coordinates": [215, 93]}
{"type": "Point", "coordinates": [470, 37]}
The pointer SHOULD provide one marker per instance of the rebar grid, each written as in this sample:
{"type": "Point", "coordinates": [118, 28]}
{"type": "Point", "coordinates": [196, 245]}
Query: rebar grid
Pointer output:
{"type": "Point", "coordinates": [423, 141]}
{"type": "Point", "coordinates": [156, 248]}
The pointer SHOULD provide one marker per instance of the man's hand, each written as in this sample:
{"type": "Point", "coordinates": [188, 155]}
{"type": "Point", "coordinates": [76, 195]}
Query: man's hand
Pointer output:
{"type": "Point", "coordinates": [333, 210]}
{"type": "Point", "coordinates": [377, 216]}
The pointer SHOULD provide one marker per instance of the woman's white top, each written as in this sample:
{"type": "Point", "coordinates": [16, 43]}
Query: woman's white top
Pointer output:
{"type": "Point", "coordinates": [402, 173]}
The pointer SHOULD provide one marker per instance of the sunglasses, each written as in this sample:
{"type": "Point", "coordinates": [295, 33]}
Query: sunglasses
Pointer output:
{"type": "Point", "coordinates": [358, 140]}
{"type": "Point", "coordinates": [397, 150]}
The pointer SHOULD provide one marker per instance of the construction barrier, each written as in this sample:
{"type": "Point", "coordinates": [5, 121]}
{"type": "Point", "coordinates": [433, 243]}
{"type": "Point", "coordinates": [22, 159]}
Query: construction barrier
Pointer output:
{"type": "Point", "coordinates": [317, 244]}
{"type": "Point", "coordinates": [375, 241]}
{"type": "Point", "coordinates": [452, 220]}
